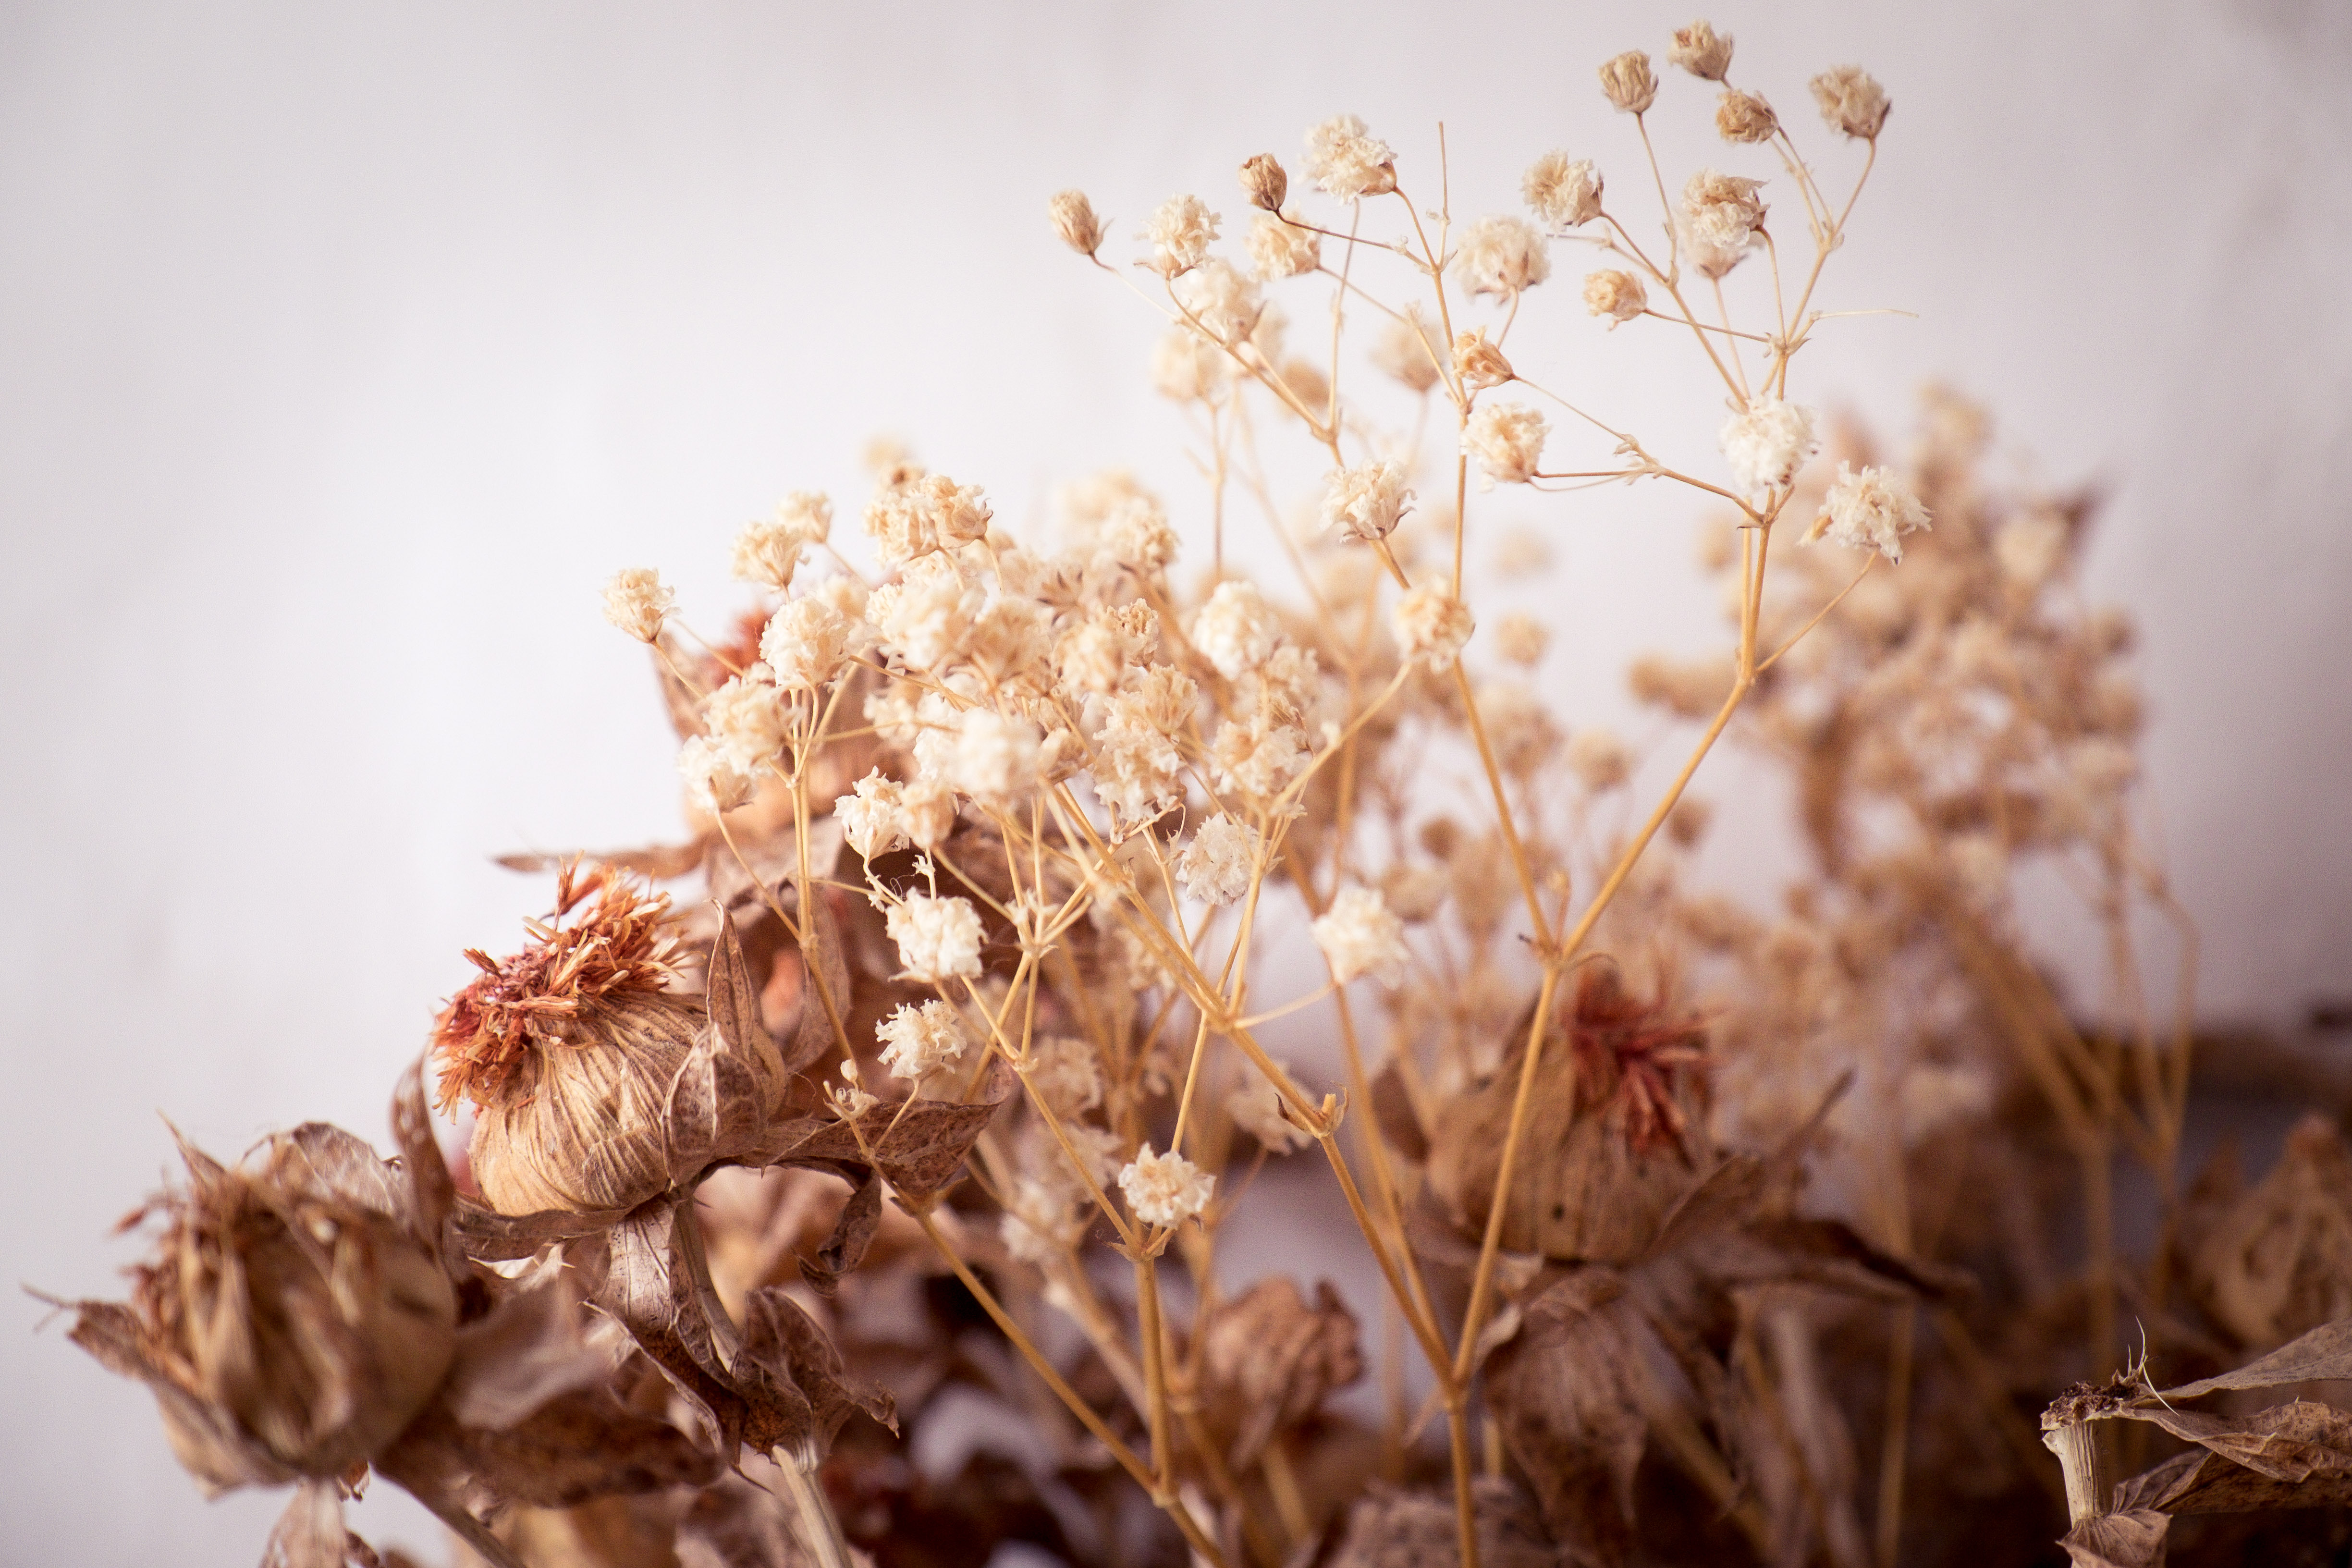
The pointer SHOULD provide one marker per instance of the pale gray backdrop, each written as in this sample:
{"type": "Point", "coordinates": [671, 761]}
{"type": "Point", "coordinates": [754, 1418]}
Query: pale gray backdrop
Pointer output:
{"type": "Point", "coordinates": [345, 349]}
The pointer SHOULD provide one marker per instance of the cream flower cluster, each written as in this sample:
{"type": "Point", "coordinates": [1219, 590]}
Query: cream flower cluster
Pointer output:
{"type": "Point", "coordinates": [1165, 1189]}
{"type": "Point", "coordinates": [918, 1041]}
{"type": "Point", "coordinates": [1360, 936]}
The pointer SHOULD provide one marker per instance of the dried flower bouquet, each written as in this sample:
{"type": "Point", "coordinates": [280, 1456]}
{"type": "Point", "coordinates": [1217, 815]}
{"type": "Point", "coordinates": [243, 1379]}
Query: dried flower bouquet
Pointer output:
{"type": "Point", "coordinates": [955, 1069]}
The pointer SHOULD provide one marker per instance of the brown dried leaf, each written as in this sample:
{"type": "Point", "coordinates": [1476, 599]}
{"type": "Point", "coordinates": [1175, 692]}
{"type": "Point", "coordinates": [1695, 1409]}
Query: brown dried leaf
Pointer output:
{"type": "Point", "coordinates": [716, 1105]}
{"type": "Point", "coordinates": [1270, 1359]}
{"type": "Point", "coordinates": [2275, 1260]}
{"type": "Point", "coordinates": [916, 1152]}
{"type": "Point", "coordinates": [1566, 1395]}
{"type": "Point", "coordinates": [733, 1003]}
{"type": "Point", "coordinates": [649, 1293]}
{"type": "Point", "coordinates": [852, 1233]}
{"type": "Point", "coordinates": [525, 1352]}
{"type": "Point", "coordinates": [780, 1336]}
{"type": "Point", "coordinates": [432, 1195]}
{"type": "Point", "coordinates": [2134, 1540]}
{"type": "Point", "coordinates": [2323, 1354]}
{"type": "Point", "coordinates": [1392, 1109]}
{"type": "Point", "coordinates": [579, 1446]}
{"type": "Point", "coordinates": [493, 1237]}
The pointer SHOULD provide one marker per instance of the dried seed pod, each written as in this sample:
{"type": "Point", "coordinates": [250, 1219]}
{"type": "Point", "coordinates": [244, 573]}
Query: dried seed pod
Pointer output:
{"type": "Point", "coordinates": [571, 1049]}
{"type": "Point", "coordinates": [287, 1330]}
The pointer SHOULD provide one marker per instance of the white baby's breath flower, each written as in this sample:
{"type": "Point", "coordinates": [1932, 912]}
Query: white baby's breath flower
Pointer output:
{"type": "Point", "coordinates": [1616, 294]}
{"type": "Point", "coordinates": [1599, 758]}
{"type": "Point", "coordinates": [1165, 1189]}
{"type": "Point", "coordinates": [1217, 866]}
{"type": "Point", "coordinates": [1280, 249]}
{"type": "Point", "coordinates": [918, 1041]}
{"type": "Point", "coordinates": [1507, 439]}
{"type": "Point", "coordinates": [1260, 757]}
{"type": "Point", "coordinates": [927, 616]}
{"type": "Point", "coordinates": [711, 776]}
{"type": "Point", "coordinates": [1431, 625]}
{"type": "Point", "coordinates": [1767, 444]}
{"type": "Point", "coordinates": [1722, 210]}
{"type": "Point", "coordinates": [1235, 630]}
{"type": "Point", "coordinates": [926, 813]}
{"type": "Point", "coordinates": [869, 815]}
{"type": "Point", "coordinates": [1562, 191]}
{"type": "Point", "coordinates": [1256, 1107]}
{"type": "Point", "coordinates": [1366, 501]}
{"type": "Point", "coordinates": [635, 601]}
{"type": "Point", "coordinates": [1225, 302]}
{"type": "Point", "coordinates": [1410, 350]}
{"type": "Point", "coordinates": [769, 552]}
{"type": "Point", "coordinates": [1521, 638]}
{"type": "Point", "coordinates": [1503, 255]}
{"type": "Point", "coordinates": [1869, 511]}
{"type": "Point", "coordinates": [995, 756]}
{"type": "Point", "coordinates": [938, 938]}
{"type": "Point", "coordinates": [851, 1100]}
{"type": "Point", "coordinates": [1137, 534]}
{"type": "Point", "coordinates": [1185, 366]}
{"type": "Point", "coordinates": [1063, 1073]}
{"type": "Point", "coordinates": [1518, 726]}
{"type": "Point", "coordinates": [1360, 936]}
{"type": "Point", "coordinates": [804, 644]}
{"type": "Point", "coordinates": [1702, 51]}
{"type": "Point", "coordinates": [745, 718]}
{"type": "Point", "coordinates": [1346, 162]}
{"type": "Point", "coordinates": [1851, 102]}
{"type": "Point", "coordinates": [1626, 81]}
{"type": "Point", "coordinates": [1179, 230]}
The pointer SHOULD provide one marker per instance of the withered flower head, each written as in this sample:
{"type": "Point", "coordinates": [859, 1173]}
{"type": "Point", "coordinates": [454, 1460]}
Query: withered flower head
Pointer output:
{"type": "Point", "coordinates": [1265, 181]}
{"type": "Point", "coordinates": [286, 1329]}
{"type": "Point", "coordinates": [1641, 1062]}
{"type": "Point", "coordinates": [569, 1048]}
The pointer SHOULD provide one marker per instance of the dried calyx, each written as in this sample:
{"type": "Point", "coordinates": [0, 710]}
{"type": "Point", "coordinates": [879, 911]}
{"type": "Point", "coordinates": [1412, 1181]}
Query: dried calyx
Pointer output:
{"type": "Point", "coordinates": [285, 1330]}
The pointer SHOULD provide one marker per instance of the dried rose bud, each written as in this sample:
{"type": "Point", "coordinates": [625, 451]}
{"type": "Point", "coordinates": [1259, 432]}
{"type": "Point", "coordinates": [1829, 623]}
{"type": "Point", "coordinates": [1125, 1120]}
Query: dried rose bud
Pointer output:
{"type": "Point", "coordinates": [1702, 51]}
{"type": "Point", "coordinates": [1075, 221]}
{"type": "Point", "coordinates": [570, 1047]}
{"type": "Point", "coordinates": [1263, 181]}
{"type": "Point", "coordinates": [1745, 117]}
{"type": "Point", "coordinates": [286, 1329]}
{"type": "Point", "coordinates": [1628, 83]}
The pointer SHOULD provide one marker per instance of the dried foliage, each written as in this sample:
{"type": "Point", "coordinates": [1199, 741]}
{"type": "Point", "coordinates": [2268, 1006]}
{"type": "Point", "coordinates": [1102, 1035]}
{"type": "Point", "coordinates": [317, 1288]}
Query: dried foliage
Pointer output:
{"type": "Point", "coordinates": [878, 1198]}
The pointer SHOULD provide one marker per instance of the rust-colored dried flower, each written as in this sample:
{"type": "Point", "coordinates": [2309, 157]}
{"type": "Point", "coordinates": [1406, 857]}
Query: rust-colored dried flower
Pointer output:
{"type": "Point", "coordinates": [1265, 182]}
{"type": "Point", "coordinates": [569, 1048]}
{"type": "Point", "coordinates": [1627, 81]}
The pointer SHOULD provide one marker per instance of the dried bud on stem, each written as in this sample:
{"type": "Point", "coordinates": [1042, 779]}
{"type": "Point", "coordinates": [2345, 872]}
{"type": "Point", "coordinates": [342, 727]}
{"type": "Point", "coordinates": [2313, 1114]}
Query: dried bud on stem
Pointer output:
{"type": "Point", "coordinates": [1852, 101]}
{"type": "Point", "coordinates": [1702, 51]}
{"type": "Point", "coordinates": [1628, 83]}
{"type": "Point", "coordinates": [1075, 220]}
{"type": "Point", "coordinates": [1265, 182]}
{"type": "Point", "coordinates": [1745, 117]}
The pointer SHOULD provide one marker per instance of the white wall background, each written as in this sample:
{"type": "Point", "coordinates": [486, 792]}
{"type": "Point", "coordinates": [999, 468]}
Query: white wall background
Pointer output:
{"type": "Point", "coordinates": [344, 349]}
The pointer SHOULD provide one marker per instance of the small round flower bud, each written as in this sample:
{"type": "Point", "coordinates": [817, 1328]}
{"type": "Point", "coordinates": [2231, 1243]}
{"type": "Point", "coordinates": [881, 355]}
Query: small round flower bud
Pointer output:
{"type": "Point", "coordinates": [1265, 182]}
{"type": "Point", "coordinates": [1347, 161]}
{"type": "Point", "coordinates": [1701, 50]}
{"type": "Point", "coordinates": [1521, 638]}
{"type": "Point", "coordinates": [1722, 211]}
{"type": "Point", "coordinates": [712, 779]}
{"type": "Point", "coordinates": [918, 1041]}
{"type": "Point", "coordinates": [1744, 116]}
{"type": "Point", "coordinates": [635, 601]}
{"type": "Point", "coordinates": [1480, 363]}
{"type": "Point", "coordinates": [1598, 758]}
{"type": "Point", "coordinates": [1616, 294]}
{"type": "Point", "coordinates": [1408, 349]}
{"type": "Point", "coordinates": [1075, 221]}
{"type": "Point", "coordinates": [1852, 101]}
{"type": "Point", "coordinates": [1628, 83]}
{"type": "Point", "coordinates": [804, 644]}
{"type": "Point", "coordinates": [1236, 630]}
{"type": "Point", "coordinates": [1217, 866]}
{"type": "Point", "coordinates": [1562, 191]}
